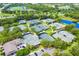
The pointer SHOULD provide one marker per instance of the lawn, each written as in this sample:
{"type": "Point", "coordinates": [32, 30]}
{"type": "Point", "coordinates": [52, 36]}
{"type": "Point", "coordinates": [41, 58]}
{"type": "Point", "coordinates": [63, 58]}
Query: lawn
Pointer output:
{"type": "Point", "coordinates": [20, 8]}
{"type": "Point", "coordinates": [4, 14]}
{"type": "Point", "coordinates": [68, 18]}
{"type": "Point", "coordinates": [49, 31]}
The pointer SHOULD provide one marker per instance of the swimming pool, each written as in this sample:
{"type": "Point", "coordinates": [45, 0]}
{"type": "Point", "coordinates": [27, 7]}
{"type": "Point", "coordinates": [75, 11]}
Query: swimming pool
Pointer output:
{"type": "Point", "coordinates": [68, 22]}
{"type": "Point", "coordinates": [77, 25]}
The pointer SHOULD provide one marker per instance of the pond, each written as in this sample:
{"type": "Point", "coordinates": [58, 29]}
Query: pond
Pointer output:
{"type": "Point", "coordinates": [68, 22]}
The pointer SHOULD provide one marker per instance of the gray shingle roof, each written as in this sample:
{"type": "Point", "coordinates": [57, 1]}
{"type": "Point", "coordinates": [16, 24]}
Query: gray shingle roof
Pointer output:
{"type": "Point", "coordinates": [1, 28]}
{"type": "Point", "coordinates": [31, 39]}
{"type": "Point", "coordinates": [46, 36]}
{"type": "Point", "coordinates": [22, 27]}
{"type": "Point", "coordinates": [48, 20]}
{"type": "Point", "coordinates": [34, 21]}
{"type": "Point", "coordinates": [64, 35]}
{"type": "Point", "coordinates": [40, 27]}
{"type": "Point", "coordinates": [57, 25]}
{"type": "Point", "coordinates": [22, 21]}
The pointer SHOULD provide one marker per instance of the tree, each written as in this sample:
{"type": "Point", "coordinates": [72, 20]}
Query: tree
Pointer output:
{"type": "Point", "coordinates": [6, 35]}
{"type": "Point", "coordinates": [46, 54]}
{"type": "Point", "coordinates": [1, 52]}
{"type": "Point", "coordinates": [54, 28]}
{"type": "Point", "coordinates": [69, 27]}
{"type": "Point", "coordinates": [74, 49]}
{"type": "Point", "coordinates": [49, 31]}
{"type": "Point", "coordinates": [57, 52]}
{"type": "Point", "coordinates": [58, 19]}
{"type": "Point", "coordinates": [66, 53]}
{"type": "Point", "coordinates": [46, 43]}
{"type": "Point", "coordinates": [58, 43]}
{"type": "Point", "coordinates": [75, 31]}
{"type": "Point", "coordinates": [28, 26]}
{"type": "Point", "coordinates": [23, 52]}
{"type": "Point", "coordinates": [26, 50]}
{"type": "Point", "coordinates": [16, 32]}
{"type": "Point", "coordinates": [31, 47]}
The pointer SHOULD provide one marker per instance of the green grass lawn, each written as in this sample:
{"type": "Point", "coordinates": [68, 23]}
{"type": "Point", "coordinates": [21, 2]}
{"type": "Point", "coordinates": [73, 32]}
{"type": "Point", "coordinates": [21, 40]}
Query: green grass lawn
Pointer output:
{"type": "Point", "coordinates": [68, 18]}
{"type": "Point", "coordinates": [49, 31]}
{"type": "Point", "coordinates": [4, 14]}
{"type": "Point", "coordinates": [20, 8]}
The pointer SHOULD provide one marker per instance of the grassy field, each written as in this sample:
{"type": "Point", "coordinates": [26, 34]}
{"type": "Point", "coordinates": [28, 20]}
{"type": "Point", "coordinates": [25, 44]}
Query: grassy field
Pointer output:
{"type": "Point", "coordinates": [4, 14]}
{"type": "Point", "coordinates": [49, 31]}
{"type": "Point", "coordinates": [18, 8]}
{"type": "Point", "coordinates": [68, 18]}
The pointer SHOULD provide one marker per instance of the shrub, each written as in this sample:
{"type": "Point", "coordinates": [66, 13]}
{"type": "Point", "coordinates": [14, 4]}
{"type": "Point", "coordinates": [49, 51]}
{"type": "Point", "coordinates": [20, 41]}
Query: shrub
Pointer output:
{"type": "Point", "coordinates": [46, 54]}
{"type": "Point", "coordinates": [23, 52]}
{"type": "Point", "coordinates": [58, 43]}
{"type": "Point", "coordinates": [57, 52]}
{"type": "Point", "coordinates": [46, 43]}
{"type": "Point", "coordinates": [66, 53]}
{"type": "Point", "coordinates": [74, 49]}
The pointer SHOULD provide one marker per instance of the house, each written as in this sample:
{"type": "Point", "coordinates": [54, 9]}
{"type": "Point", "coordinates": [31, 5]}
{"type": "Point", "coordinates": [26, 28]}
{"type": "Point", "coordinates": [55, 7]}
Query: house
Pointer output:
{"type": "Point", "coordinates": [40, 27]}
{"type": "Point", "coordinates": [22, 27]}
{"type": "Point", "coordinates": [33, 22]}
{"type": "Point", "coordinates": [64, 35]}
{"type": "Point", "coordinates": [22, 21]}
{"type": "Point", "coordinates": [31, 39]}
{"type": "Point", "coordinates": [57, 25]}
{"type": "Point", "coordinates": [1, 28]}
{"type": "Point", "coordinates": [39, 52]}
{"type": "Point", "coordinates": [42, 51]}
{"type": "Point", "coordinates": [10, 48]}
{"type": "Point", "coordinates": [48, 20]}
{"type": "Point", "coordinates": [26, 33]}
{"type": "Point", "coordinates": [45, 36]}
